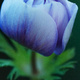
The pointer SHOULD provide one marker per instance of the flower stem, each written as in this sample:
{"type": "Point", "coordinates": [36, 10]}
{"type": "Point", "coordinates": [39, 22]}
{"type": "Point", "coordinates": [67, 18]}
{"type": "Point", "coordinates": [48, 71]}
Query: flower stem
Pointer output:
{"type": "Point", "coordinates": [33, 62]}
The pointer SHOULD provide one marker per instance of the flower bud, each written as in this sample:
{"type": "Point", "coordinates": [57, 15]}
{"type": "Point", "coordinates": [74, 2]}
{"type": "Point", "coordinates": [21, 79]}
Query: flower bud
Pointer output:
{"type": "Point", "coordinates": [41, 25]}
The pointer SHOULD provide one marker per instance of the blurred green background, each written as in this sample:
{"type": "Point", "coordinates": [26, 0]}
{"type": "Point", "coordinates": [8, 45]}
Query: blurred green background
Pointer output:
{"type": "Point", "coordinates": [72, 74]}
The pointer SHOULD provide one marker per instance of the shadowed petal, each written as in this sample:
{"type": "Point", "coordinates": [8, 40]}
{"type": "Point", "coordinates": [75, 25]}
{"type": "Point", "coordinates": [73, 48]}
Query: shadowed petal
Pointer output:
{"type": "Point", "coordinates": [38, 2]}
{"type": "Point", "coordinates": [72, 9]}
{"type": "Point", "coordinates": [0, 20]}
{"type": "Point", "coordinates": [68, 30]}
{"type": "Point", "coordinates": [13, 15]}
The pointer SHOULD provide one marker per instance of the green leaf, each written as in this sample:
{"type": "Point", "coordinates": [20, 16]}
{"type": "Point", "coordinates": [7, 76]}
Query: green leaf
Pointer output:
{"type": "Point", "coordinates": [46, 65]}
{"type": "Point", "coordinates": [56, 64]}
{"type": "Point", "coordinates": [10, 76]}
{"type": "Point", "coordinates": [65, 56]}
{"type": "Point", "coordinates": [6, 63]}
{"type": "Point", "coordinates": [53, 78]}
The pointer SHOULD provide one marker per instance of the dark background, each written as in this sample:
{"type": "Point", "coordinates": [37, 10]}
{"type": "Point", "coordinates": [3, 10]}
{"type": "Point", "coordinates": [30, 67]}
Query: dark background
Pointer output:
{"type": "Point", "coordinates": [72, 74]}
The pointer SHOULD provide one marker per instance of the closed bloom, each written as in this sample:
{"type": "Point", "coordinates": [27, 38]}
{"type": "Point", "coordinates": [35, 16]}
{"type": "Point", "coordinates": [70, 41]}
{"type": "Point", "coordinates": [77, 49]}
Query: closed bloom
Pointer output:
{"type": "Point", "coordinates": [41, 25]}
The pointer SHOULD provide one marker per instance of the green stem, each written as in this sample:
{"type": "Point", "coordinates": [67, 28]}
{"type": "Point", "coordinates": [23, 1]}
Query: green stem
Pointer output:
{"type": "Point", "coordinates": [33, 62]}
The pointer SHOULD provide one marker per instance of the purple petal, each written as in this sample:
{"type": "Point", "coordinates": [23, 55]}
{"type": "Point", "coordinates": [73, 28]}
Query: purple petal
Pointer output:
{"type": "Point", "coordinates": [58, 12]}
{"type": "Point", "coordinates": [30, 26]}
{"type": "Point", "coordinates": [72, 10]}
{"type": "Point", "coordinates": [13, 15]}
{"type": "Point", "coordinates": [0, 20]}
{"type": "Point", "coordinates": [38, 2]}
{"type": "Point", "coordinates": [42, 35]}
